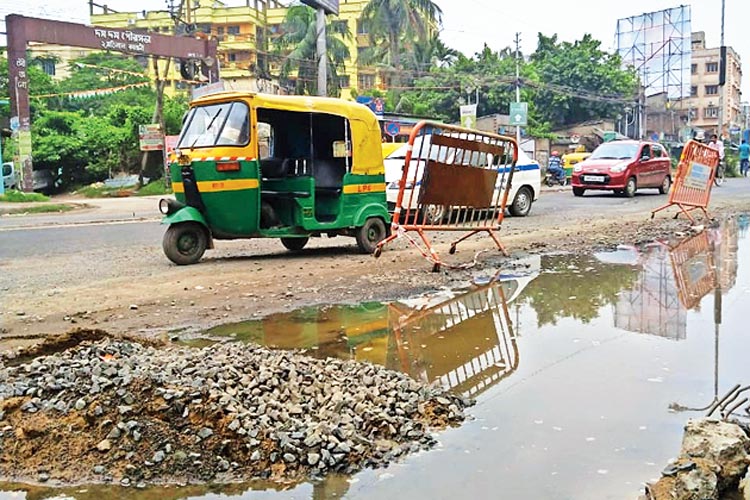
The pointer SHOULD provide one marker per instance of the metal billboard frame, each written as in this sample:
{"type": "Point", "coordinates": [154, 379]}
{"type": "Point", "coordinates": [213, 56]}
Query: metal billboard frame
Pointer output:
{"type": "Point", "coordinates": [658, 45]}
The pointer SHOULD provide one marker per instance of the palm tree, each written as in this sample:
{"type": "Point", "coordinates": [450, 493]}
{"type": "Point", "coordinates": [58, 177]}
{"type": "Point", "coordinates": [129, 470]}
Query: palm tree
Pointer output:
{"type": "Point", "coordinates": [431, 53]}
{"type": "Point", "coordinates": [297, 49]}
{"type": "Point", "coordinates": [394, 24]}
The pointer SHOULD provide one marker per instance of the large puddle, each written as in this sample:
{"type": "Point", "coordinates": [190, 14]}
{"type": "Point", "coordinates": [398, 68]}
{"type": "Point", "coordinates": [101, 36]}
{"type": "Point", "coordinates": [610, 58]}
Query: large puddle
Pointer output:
{"type": "Point", "coordinates": [584, 368]}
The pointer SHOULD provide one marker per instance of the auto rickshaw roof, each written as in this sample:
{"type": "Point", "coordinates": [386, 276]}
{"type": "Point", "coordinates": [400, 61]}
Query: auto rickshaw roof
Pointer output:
{"type": "Point", "coordinates": [299, 103]}
{"type": "Point", "coordinates": [366, 135]}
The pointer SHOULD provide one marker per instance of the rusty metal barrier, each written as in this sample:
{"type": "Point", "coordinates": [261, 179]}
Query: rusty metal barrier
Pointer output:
{"type": "Point", "coordinates": [691, 189]}
{"type": "Point", "coordinates": [453, 179]}
{"type": "Point", "coordinates": [694, 271]}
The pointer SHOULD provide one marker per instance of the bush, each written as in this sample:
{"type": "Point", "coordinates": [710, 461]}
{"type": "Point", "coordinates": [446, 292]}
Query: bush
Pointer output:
{"type": "Point", "coordinates": [14, 196]}
{"type": "Point", "coordinates": [156, 187]}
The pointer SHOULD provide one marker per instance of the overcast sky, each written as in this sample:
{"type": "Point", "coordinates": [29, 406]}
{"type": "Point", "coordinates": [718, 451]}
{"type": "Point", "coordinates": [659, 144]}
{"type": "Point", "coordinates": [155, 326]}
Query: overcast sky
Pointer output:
{"type": "Point", "coordinates": [467, 24]}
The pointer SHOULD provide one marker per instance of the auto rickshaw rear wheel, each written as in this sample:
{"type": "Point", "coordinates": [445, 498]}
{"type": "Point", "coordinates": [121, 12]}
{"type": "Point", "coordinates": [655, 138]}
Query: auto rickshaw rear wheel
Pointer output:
{"type": "Point", "coordinates": [185, 243]}
{"type": "Point", "coordinates": [294, 244]}
{"type": "Point", "coordinates": [370, 234]}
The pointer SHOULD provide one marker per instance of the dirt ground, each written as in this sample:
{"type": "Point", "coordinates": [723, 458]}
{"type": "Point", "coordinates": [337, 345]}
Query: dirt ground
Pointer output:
{"type": "Point", "coordinates": [228, 287]}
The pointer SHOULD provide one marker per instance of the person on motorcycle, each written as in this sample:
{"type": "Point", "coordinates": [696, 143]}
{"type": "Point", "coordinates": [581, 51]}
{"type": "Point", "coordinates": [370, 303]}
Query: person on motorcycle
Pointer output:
{"type": "Point", "coordinates": [555, 167]}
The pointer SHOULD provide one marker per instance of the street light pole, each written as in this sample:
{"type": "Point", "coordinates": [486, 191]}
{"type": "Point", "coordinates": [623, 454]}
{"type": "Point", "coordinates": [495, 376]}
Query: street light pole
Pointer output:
{"type": "Point", "coordinates": [518, 84]}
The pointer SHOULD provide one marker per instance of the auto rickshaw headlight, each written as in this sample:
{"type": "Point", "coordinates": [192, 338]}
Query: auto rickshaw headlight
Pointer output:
{"type": "Point", "coordinates": [164, 206]}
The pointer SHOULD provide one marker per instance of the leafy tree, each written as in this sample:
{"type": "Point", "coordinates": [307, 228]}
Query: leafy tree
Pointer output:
{"type": "Point", "coordinates": [592, 80]}
{"type": "Point", "coordinates": [395, 24]}
{"type": "Point", "coordinates": [297, 44]}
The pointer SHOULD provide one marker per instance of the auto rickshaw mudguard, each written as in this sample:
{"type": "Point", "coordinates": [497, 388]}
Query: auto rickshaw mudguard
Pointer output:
{"type": "Point", "coordinates": [185, 214]}
{"type": "Point", "coordinates": [371, 210]}
{"type": "Point", "coordinates": [189, 214]}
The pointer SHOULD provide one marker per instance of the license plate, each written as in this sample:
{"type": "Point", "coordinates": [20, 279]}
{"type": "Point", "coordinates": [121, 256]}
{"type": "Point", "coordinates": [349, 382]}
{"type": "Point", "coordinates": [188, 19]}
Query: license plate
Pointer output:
{"type": "Point", "coordinates": [593, 178]}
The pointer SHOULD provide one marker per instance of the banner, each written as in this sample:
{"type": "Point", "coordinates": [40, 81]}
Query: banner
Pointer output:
{"type": "Point", "coordinates": [468, 115]}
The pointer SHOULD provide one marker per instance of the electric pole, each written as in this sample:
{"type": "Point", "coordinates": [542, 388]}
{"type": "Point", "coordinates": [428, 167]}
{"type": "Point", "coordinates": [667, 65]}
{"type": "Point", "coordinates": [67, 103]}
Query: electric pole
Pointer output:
{"type": "Point", "coordinates": [518, 83]}
{"type": "Point", "coordinates": [722, 71]}
{"type": "Point", "coordinates": [322, 56]}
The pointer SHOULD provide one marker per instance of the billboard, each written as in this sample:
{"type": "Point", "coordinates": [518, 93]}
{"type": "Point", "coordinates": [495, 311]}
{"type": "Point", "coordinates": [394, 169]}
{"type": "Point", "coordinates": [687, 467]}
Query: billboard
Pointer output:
{"type": "Point", "coordinates": [658, 46]}
{"type": "Point", "coordinates": [329, 6]}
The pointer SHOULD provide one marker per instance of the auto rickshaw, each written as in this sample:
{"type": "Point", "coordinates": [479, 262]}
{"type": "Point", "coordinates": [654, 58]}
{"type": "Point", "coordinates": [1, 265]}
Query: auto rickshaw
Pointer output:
{"type": "Point", "coordinates": [266, 166]}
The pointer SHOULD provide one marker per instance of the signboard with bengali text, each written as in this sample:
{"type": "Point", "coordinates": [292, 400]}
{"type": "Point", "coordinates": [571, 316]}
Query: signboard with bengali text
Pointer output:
{"type": "Point", "coordinates": [150, 137]}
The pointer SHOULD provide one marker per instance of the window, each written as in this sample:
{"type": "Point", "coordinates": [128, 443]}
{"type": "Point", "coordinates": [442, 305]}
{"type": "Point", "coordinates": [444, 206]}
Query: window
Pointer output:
{"type": "Point", "coordinates": [657, 152]}
{"type": "Point", "coordinates": [362, 53]}
{"type": "Point", "coordinates": [225, 124]}
{"type": "Point", "coordinates": [362, 28]}
{"type": "Point", "coordinates": [365, 82]}
{"type": "Point", "coordinates": [711, 112]}
{"type": "Point", "coordinates": [48, 66]}
{"type": "Point", "coordinates": [220, 30]}
{"type": "Point", "coordinates": [694, 91]}
{"type": "Point", "coordinates": [344, 82]}
{"type": "Point", "coordinates": [712, 89]}
{"type": "Point", "coordinates": [693, 69]}
{"type": "Point", "coordinates": [233, 30]}
{"type": "Point", "coordinates": [712, 67]}
{"type": "Point", "coordinates": [232, 56]}
{"type": "Point", "coordinates": [646, 151]}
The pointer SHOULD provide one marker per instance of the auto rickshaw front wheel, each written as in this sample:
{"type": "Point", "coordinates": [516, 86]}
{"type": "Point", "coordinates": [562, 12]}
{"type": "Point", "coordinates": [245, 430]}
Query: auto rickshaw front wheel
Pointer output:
{"type": "Point", "coordinates": [370, 234]}
{"type": "Point", "coordinates": [294, 244]}
{"type": "Point", "coordinates": [185, 243]}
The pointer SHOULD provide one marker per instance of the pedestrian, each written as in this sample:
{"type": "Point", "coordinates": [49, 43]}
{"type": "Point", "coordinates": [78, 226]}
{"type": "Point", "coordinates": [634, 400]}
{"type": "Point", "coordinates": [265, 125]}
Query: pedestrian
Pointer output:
{"type": "Point", "coordinates": [744, 158]}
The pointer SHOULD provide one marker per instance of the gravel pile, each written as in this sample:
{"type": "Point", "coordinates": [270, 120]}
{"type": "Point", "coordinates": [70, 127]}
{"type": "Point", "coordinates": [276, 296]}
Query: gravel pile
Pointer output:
{"type": "Point", "coordinates": [117, 410]}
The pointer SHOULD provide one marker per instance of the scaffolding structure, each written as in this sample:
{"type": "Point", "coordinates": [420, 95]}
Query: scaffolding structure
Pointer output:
{"type": "Point", "coordinates": [658, 46]}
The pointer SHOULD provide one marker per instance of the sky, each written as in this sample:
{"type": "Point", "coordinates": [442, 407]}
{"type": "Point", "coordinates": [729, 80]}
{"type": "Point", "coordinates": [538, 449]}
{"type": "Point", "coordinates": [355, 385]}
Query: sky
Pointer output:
{"type": "Point", "coordinates": [468, 24]}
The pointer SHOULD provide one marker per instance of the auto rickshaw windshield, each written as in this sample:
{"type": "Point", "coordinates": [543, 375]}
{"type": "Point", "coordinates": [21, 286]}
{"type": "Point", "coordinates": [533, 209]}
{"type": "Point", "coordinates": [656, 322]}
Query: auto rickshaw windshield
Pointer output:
{"type": "Point", "coordinates": [225, 124]}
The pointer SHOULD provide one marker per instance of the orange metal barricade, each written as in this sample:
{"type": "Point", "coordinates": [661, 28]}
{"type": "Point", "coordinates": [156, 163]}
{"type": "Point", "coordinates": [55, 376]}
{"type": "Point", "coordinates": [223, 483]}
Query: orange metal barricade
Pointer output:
{"type": "Point", "coordinates": [692, 184]}
{"type": "Point", "coordinates": [453, 179]}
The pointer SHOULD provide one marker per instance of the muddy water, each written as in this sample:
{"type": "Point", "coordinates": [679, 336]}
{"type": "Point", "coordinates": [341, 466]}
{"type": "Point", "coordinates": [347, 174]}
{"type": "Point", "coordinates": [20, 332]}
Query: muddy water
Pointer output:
{"type": "Point", "coordinates": [584, 368]}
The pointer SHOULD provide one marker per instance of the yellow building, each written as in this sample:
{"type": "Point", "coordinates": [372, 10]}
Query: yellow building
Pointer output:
{"type": "Point", "coordinates": [244, 33]}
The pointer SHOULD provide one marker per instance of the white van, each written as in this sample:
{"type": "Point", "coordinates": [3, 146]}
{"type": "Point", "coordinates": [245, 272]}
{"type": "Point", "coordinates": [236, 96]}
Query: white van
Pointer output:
{"type": "Point", "coordinates": [9, 176]}
{"type": "Point", "coordinates": [527, 179]}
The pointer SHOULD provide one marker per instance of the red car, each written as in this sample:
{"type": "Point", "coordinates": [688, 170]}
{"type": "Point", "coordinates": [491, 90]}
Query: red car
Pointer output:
{"type": "Point", "coordinates": [624, 167]}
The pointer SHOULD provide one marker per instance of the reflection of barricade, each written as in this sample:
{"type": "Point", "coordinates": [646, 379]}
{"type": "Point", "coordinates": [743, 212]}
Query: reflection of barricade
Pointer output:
{"type": "Point", "coordinates": [694, 272]}
{"type": "Point", "coordinates": [692, 184]}
{"type": "Point", "coordinates": [453, 179]}
{"type": "Point", "coordinates": [453, 342]}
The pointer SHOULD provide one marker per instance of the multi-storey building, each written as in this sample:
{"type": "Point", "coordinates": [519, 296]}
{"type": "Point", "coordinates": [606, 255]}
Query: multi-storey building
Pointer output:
{"type": "Point", "coordinates": [701, 109]}
{"type": "Point", "coordinates": [245, 34]}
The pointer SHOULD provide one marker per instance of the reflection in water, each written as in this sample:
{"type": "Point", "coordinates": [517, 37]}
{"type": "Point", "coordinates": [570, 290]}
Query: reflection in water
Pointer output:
{"type": "Point", "coordinates": [463, 339]}
{"type": "Point", "coordinates": [576, 286]}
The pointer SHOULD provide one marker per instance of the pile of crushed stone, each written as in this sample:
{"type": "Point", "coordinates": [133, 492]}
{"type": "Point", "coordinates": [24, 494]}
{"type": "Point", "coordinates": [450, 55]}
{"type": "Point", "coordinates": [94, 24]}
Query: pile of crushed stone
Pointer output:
{"type": "Point", "coordinates": [117, 410]}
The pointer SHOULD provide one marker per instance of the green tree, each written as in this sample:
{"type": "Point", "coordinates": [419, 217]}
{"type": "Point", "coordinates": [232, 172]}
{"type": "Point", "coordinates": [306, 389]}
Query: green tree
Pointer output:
{"type": "Point", "coordinates": [297, 47]}
{"type": "Point", "coordinates": [580, 80]}
{"type": "Point", "coordinates": [40, 83]}
{"type": "Point", "coordinates": [394, 25]}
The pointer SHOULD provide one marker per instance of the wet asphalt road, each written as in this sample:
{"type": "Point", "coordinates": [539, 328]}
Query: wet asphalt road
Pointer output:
{"type": "Point", "coordinates": [135, 222]}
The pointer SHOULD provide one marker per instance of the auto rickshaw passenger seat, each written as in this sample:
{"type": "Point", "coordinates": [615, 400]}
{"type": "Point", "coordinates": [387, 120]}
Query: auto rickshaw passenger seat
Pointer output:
{"type": "Point", "coordinates": [329, 177]}
{"type": "Point", "coordinates": [274, 168]}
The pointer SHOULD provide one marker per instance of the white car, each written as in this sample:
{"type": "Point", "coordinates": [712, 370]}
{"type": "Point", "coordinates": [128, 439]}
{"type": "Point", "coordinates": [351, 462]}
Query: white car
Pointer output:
{"type": "Point", "coordinates": [527, 179]}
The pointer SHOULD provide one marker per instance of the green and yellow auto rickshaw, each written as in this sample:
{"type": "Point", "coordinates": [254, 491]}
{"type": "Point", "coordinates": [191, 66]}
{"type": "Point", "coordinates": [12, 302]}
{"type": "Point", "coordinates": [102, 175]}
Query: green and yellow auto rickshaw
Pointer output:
{"type": "Point", "coordinates": [267, 166]}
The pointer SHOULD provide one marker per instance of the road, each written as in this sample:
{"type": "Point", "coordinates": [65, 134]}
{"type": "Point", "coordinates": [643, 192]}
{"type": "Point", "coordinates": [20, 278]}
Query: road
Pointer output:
{"type": "Point", "coordinates": [119, 224]}
{"type": "Point", "coordinates": [93, 265]}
